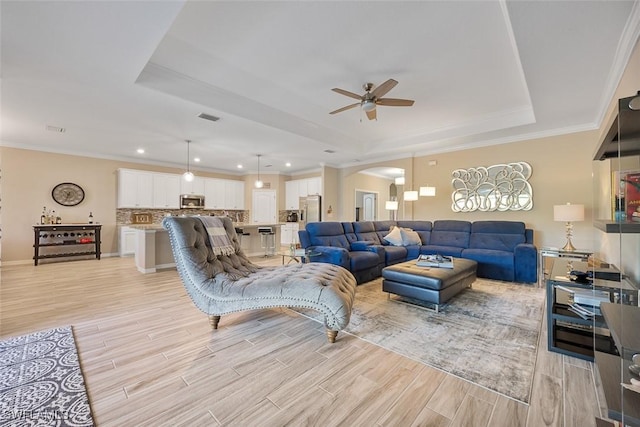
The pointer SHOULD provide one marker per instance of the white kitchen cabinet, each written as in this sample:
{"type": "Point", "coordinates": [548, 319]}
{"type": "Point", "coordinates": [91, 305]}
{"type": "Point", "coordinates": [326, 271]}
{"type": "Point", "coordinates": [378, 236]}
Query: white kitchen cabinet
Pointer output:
{"type": "Point", "coordinates": [127, 244]}
{"type": "Point", "coordinates": [297, 188]}
{"type": "Point", "coordinates": [289, 233]}
{"type": "Point", "coordinates": [234, 195]}
{"type": "Point", "coordinates": [166, 191]}
{"type": "Point", "coordinates": [291, 195]}
{"type": "Point", "coordinates": [314, 186]}
{"type": "Point", "coordinates": [214, 193]}
{"type": "Point", "coordinates": [194, 187]}
{"type": "Point", "coordinates": [135, 189]}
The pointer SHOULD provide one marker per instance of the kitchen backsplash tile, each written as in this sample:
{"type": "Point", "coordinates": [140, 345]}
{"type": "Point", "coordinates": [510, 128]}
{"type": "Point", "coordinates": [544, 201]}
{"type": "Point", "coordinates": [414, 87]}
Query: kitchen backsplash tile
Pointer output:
{"type": "Point", "coordinates": [126, 216]}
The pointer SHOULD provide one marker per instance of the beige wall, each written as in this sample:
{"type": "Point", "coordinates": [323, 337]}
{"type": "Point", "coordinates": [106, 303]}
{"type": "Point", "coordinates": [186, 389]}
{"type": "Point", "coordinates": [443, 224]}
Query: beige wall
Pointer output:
{"type": "Point", "coordinates": [27, 180]}
{"type": "Point", "coordinates": [331, 189]}
{"type": "Point", "coordinates": [561, 173]}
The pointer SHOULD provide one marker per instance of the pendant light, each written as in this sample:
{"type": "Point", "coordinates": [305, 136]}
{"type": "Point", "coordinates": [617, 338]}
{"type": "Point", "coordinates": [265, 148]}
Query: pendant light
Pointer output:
{"type": "Point", "coordinates": [188, 175]}
{"type": "Point", "coordinates": [259, 182]}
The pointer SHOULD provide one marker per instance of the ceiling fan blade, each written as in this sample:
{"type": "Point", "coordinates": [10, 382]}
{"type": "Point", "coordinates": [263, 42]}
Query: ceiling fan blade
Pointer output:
{"type": "Point", "coordinates": [347, 93]}
{"type": "Point", "coordinates": [384, 88]}
{"type": "Point", "coordinates": [371, 114]}
{"type": "Point", "coordinates": [348, 107]}
{"type": "Point", "coordinates": [393, 102]}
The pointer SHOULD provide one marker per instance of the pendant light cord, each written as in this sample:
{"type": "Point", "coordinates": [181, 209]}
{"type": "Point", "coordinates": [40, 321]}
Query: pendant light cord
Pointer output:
{"type": "Point", "coordinates": [188, 154]}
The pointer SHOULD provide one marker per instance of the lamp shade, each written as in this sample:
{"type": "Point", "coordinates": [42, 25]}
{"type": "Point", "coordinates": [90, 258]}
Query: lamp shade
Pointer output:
{"type": "Point", "coordinates": [428, 191]}
{"type": "Point", "coordinates": [399, 180]}
{"type": "Point", "coordinates": [568, 213]}
{"type": "Point", "coordinates": [411, 196]}
{"type": "Point", "coordinates": [391, 205]}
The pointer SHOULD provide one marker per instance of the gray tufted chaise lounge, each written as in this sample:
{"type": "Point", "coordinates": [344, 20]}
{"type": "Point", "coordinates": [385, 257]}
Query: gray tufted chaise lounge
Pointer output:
{"type": "Point", "coordinates": [225, 284]}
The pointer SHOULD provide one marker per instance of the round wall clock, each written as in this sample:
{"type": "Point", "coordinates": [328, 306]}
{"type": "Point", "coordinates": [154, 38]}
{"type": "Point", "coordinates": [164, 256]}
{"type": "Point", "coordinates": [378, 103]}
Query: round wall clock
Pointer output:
{"type": "Point", "coordinates": [68, 194]}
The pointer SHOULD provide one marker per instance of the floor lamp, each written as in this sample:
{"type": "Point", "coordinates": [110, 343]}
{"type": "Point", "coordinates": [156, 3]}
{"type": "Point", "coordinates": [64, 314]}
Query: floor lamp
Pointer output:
{"type": "Point", "coordinates": [392, 205]}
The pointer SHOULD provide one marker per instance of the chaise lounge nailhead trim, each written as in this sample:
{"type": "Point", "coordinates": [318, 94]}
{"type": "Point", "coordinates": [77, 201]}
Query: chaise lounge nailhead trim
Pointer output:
{"type": "Point", "coordinates": [220, 285]}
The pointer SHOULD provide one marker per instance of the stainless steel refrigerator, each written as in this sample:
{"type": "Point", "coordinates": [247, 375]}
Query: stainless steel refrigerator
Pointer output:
{"type": "Point", "coordinates": [310, 209]}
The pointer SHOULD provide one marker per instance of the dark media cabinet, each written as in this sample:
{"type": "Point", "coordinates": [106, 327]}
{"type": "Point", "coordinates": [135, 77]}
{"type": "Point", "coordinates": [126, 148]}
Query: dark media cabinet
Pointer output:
{"type": "Point", "coordinates": [65, 240]}
{"type": "Point", "coordinates": [610, 338]}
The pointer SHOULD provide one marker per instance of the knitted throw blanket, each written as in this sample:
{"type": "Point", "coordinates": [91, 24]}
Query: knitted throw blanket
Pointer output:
{"type": "Point", "coordinates": [220, 242]}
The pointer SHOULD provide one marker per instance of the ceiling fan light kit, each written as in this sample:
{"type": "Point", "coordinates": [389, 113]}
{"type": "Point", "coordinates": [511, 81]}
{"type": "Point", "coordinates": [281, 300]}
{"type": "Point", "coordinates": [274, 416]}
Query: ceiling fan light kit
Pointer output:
{"type": "Point", "coordinates": [372, 98]}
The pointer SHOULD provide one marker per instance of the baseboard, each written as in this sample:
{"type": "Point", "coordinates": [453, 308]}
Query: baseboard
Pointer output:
{"type": "Point", "coordinates": [30, 261]}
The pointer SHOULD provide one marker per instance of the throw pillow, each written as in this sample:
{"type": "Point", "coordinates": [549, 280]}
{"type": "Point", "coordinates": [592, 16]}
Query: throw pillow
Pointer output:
{"type": "Point", "coordinates": [410, 237]}
{"type": "Point", "coordinates": [394, 237]}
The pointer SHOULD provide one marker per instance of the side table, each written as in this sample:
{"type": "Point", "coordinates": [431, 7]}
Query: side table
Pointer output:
{"type": "Point", "coordinates": [548, 252]}
{"type": "Point", "coordinates": [300, 255]}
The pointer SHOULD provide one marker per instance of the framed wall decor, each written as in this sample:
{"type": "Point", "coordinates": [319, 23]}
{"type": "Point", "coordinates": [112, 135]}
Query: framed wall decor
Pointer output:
{"type": "Point", "coordinates": [499, 187]}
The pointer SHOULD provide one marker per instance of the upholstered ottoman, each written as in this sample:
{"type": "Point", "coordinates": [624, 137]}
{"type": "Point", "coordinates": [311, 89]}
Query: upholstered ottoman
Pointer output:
{"type": "Point", "coordinates": [435, 285]}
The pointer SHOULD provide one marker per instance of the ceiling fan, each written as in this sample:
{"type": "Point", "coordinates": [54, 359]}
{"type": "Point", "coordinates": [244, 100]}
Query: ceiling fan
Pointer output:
{"type": "Point", "coordinates": [372, 98]}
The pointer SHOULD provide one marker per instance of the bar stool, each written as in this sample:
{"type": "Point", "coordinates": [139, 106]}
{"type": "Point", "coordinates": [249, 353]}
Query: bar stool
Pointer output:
{"type": "Point", "coordinates": [267, 240]}
{"type": "Point", "coordinates": [239, 233]}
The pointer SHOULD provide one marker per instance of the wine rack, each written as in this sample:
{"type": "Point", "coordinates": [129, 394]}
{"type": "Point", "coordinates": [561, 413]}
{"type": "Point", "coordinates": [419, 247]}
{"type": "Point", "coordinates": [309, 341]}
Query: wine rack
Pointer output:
{"type": "Point", "coordinates": [64, 241]}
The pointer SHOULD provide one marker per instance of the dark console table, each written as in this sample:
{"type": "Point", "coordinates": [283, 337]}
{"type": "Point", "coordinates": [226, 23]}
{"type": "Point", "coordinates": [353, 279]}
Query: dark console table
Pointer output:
{"type": "Point", "coordinates": [65, 240]}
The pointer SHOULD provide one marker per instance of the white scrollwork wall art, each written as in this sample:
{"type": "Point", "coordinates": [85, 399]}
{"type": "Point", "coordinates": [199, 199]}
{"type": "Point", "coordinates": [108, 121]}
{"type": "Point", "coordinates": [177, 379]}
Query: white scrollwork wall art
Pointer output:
{"type": "Point", "coordinates": [495, 188]}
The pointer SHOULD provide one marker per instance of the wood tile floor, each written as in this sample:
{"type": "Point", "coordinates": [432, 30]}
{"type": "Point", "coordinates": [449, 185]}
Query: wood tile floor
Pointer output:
{"type": "Point", "coordinates": [150, 359]}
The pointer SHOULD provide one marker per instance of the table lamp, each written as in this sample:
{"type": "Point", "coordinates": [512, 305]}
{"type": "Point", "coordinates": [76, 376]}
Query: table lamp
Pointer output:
{"type": "Point", "coordinates": [568, 213]}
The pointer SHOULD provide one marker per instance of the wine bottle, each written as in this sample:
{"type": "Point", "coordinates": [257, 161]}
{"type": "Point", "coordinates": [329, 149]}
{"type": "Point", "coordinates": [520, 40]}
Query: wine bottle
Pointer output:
{"type": "Point", "coordinates": [43, 217]}
{"type": "Point", "coordinates": [90, 217]}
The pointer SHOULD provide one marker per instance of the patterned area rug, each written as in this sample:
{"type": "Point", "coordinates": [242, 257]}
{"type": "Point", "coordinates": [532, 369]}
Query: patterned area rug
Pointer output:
{"type": "Point", "coordinates": [487, 334]}
{"type": "Point", "coordinates": [41, 382]}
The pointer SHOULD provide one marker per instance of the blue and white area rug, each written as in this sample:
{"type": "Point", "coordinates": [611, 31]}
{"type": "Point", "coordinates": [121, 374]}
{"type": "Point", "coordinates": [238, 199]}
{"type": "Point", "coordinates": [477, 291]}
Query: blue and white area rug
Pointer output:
{"type": "Point", "coordinates": [41, 383]}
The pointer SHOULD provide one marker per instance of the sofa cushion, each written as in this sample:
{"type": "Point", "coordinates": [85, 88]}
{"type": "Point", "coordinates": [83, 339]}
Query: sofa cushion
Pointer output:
{"type": "Point", "coordinates": [497, 235]}
{"type": "Point", "coordinates": [365, 230]}
{"type": "Point", "coordinates": [394, 254]}
{"type": "Point", "coordinates": [363, 260]}
{"type": "Point", "coordinates": [494, 264]}
{"type": "Point", "coordinates": [442, 250]}
{"type": "Point", "coordinates": [327, 234]}
{"type": "Point", "coordinates": [451, 233]}
{"type": "Point", "coordinates": [394, 237]}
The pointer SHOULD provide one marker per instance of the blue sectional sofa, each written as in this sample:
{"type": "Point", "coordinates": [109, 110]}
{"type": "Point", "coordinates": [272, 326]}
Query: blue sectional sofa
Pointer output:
{"type": "Point", "coordinates": [504, 250]}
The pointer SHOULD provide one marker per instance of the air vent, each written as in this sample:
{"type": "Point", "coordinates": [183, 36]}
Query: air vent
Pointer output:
{"type": "Point", "coordinates": [208, 117]}
{"type": "Point", "coordinates": [329, 151]}
{"type": "Point", "coordinates": [55, 129]}
{"type": "Point", "coordinates": [266, 185]}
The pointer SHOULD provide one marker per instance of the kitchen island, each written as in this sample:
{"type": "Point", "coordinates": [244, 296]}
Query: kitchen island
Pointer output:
{"type": "Point", "coordinates": [153, 250]}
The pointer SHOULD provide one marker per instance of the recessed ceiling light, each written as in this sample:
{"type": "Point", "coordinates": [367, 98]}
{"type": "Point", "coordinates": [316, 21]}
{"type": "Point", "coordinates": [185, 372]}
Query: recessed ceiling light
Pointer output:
{"type": "Point", "coordinates": [196, 159]}
{"type": "Point", "coordinates": [239, 166]}
{"type": "Point", "coordinates": [140, 150]}
{"type": "Point", "coordinates": [56, 129]}
{"type": "Point", "coordinates": [288, 164]}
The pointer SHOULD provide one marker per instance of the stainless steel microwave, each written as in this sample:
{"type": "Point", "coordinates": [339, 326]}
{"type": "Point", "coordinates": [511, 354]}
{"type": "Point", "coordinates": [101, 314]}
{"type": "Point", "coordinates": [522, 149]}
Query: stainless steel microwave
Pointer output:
{"type": "Point", "coordinates": [191, 201]}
